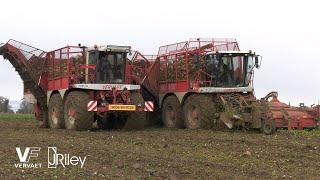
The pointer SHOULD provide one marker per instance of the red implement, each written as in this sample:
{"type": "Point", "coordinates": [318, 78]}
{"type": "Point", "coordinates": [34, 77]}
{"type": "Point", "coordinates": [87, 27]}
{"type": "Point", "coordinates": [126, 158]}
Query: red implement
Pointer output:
{"type": "Point", "coordinates": [285, 116]}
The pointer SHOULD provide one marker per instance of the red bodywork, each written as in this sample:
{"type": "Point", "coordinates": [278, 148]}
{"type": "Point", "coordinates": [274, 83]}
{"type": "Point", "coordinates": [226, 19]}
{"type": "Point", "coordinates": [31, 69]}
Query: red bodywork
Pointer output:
{"type": "Point", "coordinates": [178, 79]}
{"type": "Point", "coordinates": [61, 69]}
{"type": "Point", "coordinates": [285, 116]}
{"type": "Point", "coordinates": [67, 66]}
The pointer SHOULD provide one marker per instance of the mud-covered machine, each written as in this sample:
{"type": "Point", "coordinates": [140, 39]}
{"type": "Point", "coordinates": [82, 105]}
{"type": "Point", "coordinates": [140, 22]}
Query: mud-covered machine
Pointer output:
{"type": "Point", "coordinates": [208, 83]}
{"type": "Point", "coordinates": [74, 86]}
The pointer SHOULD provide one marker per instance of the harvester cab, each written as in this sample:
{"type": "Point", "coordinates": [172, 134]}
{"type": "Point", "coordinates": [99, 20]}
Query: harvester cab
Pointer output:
{"type": "Point", "coordinates": [229, 75]}
{"type": "Point", "coordinates": [109, 63]}
{"type": "Point", "coordinates": [230, 68]}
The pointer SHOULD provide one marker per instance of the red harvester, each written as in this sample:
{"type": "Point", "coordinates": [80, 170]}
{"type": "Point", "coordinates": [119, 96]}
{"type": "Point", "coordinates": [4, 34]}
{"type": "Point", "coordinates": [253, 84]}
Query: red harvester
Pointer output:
{"type": "Point", "coordinates": [74, 86]}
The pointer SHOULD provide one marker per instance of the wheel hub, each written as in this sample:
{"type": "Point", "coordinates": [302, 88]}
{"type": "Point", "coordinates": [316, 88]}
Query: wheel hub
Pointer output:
{"type": "Point", "coordinates": [171, 115]}
{"type": "Point", "coordinates": [72, 115]}
{"type": "Point", "coordinates": [193, 116]}
{"type": "Point", "coordinates": [194, 113]}
{"type": "Point", "coordinates": [54, 116]}
{"type": "Point", "coordinates": [267, 127]}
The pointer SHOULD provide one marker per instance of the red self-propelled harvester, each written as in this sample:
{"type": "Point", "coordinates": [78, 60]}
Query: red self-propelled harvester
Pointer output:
{"type": "Point", "coordinates": [74, 86]}
{"type": "Point", "coordinates": [206, 83]}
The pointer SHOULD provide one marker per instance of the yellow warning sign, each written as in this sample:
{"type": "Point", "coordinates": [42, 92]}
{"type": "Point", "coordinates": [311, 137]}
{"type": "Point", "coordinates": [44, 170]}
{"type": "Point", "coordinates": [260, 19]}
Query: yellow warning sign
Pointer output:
{"type": "Point", "coordinates": [122, 107]}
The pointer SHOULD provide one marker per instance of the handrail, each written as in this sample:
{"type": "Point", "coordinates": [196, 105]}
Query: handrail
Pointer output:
{"type": "Point", "coordinates": [27, 50]}
{"type": "Point", "coordinates": [198, 43]}
{"type": "Point", "coordinates": [24, 44]}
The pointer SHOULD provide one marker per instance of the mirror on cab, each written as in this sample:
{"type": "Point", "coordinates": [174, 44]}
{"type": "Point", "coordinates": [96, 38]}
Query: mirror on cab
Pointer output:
{"type": "Point", "coordinates": [257, 61]}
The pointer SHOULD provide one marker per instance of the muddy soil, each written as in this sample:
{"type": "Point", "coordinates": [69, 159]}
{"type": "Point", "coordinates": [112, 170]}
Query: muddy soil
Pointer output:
{"type": "Point", "coordinates": [159, 153]}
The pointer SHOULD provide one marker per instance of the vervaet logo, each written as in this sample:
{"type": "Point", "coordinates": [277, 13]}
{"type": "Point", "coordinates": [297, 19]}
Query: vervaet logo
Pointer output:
{"type": "Point", "coordinates": [24, 157]}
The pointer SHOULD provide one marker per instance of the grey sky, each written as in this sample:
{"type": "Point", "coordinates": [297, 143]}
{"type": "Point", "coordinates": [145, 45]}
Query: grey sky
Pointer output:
{"type": "Point", "coordinates": [285, 33]}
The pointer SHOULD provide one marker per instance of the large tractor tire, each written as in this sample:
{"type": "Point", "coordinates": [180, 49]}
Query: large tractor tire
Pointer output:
{"type": "Point", "coordinates": [76, 115]}
{"type": "Point", "coordinates": [172, 113]}
{"type": "Point", "coordinates": [55, 108]}
{"type": "Point", "coordinates": [135, 120]}
{"type": "Point", "coordinates": [268, 127]}
{"type": "Point", "coordinates": [200, 112]}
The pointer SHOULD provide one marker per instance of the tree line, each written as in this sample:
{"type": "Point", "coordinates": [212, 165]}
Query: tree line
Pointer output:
{"type": "Point", "coordinates": [25, 107]}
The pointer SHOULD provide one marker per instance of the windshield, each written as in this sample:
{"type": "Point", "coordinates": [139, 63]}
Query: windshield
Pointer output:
{"type": "Point", "coordinates": [229, 70]}
{"type": "Point", "coordinates": [110, 66]}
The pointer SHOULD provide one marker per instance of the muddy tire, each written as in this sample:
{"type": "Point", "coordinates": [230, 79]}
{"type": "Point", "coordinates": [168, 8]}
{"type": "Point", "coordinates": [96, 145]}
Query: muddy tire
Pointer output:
{"type": "Point", "coordinates": [76, 115]}
{"type": "Point", "coordinates": [268, 127]}
{"type": "Point", "coordinates": [135, 120]}
{"type": "Point", "coordinates": [172, 113]}
{"type": "Point", "coordinates": [55, 112]}
{"type": "Point", "coordinates": [199, 112]}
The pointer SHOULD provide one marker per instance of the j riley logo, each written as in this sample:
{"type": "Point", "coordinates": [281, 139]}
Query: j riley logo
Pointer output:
{"type": "Point", "coordinates": [55, 159]}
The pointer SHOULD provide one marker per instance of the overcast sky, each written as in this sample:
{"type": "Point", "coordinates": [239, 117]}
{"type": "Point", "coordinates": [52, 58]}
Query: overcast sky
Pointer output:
{"type": "Point", "coordinates": [285, 33]}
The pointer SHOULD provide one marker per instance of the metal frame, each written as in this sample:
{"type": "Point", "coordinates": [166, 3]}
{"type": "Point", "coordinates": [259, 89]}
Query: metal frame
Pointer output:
{"type": "Point", "coordinates": [185, 49]}
{"type": "Point", "coordinates": [27, 50]}
{"type": "Point", "coordinates": [63, 79]}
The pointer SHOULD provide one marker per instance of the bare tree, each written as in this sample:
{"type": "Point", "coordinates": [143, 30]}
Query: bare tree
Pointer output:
{"type": "Point", "coordinates": [25, 108]}
{"type": "Point", "coordinates": [4, 105]}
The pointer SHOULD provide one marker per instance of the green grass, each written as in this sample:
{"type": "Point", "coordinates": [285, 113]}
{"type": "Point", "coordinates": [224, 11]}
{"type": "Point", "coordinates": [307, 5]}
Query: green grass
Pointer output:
{"type": "Point", "coordinates": [7, 116]}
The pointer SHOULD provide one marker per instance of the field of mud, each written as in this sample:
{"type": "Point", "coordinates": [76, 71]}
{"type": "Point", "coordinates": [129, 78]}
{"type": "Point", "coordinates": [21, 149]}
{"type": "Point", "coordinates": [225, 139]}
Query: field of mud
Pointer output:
{"type": "Point", "coordinates": [159, 153]}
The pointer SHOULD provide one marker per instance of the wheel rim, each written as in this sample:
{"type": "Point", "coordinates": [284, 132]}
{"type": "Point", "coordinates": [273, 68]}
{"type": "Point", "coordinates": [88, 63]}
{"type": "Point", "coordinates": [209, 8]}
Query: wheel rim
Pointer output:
{"type": "Point", "coordinates": [194, 113]}
{"type": "Point", "coordinates": [193, 116]}
{"type": "Point", "coordinates": [71, 117]}
{"type": "Point", "coordinates": [170, 115]}
{"type": "Point", "coordinates": [267, 128]}
{"type": "Point", "coordinates": [54, 116]}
